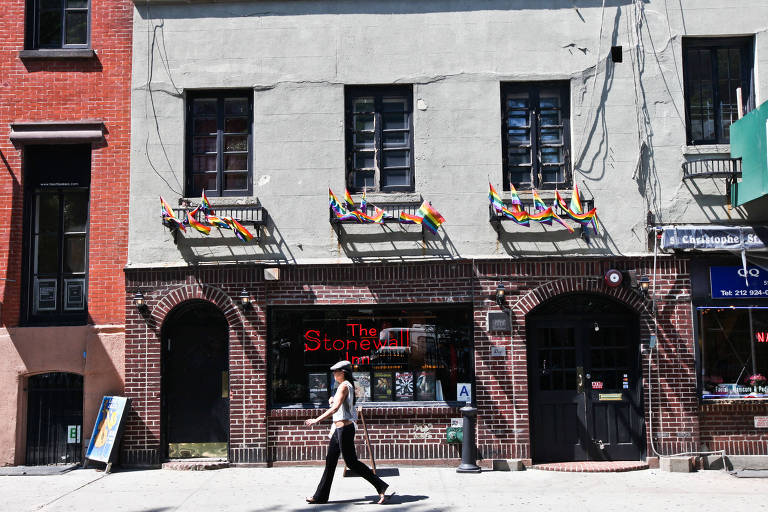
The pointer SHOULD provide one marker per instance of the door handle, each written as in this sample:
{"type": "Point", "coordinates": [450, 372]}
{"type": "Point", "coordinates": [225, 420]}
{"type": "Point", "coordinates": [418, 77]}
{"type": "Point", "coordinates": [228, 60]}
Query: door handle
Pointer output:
{"type": "Point", "coordinates": [225, 384]}
{"type": "Point", "coordinates": [579, 379]}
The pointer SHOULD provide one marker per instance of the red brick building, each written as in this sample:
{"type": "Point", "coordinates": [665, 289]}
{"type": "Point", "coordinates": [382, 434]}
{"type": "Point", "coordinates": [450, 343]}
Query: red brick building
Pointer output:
{"type": "Point", "coordinates": [64, 151]}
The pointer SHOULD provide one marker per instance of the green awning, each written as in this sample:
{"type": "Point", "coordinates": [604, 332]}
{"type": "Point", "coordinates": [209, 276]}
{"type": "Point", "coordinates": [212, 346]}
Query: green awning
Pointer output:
{"type": "Point", "coordinates": [749, 141]}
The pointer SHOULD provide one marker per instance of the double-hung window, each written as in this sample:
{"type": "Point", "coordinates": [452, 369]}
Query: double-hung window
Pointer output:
{"type": "Point", "coordinates": [219, 143]}
{"type": "Point", "coordinates": [714, 69]}
{"type": "Point", "coordinates": [56, 232]}
{"type": "Point", "coordinates": [57, 24]}
{"type": "Point", "coordinates": [379, 122]}
{"type": "Point", "coordinates": [536, 135]}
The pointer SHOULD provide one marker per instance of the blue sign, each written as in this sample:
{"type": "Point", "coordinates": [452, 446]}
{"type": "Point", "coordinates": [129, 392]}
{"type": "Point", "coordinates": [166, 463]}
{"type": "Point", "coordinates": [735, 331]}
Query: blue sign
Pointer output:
{"type": "Point", "coordinates": [736, 283]}
{"type": "Point", "coordinates": [106, 432]}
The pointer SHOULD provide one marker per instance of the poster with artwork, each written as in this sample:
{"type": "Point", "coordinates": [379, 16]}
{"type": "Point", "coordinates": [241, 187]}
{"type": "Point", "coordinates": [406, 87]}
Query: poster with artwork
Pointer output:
{"type": "Point", "coordinates": [404, 386]}
{"type": "Point", "coordinates": [425, 386]}
{"type": "Point", "coordinates": [382, 386]}
{"type": "Point", "coordinates": [362, 386]}
{"type": "Point", "coordinates": [318, 388]}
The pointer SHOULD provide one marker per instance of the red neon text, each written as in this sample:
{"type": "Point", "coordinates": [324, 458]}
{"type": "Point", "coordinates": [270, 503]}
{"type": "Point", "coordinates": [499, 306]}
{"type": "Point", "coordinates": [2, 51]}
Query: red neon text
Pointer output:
{"type": "Point", "coordinates": [762, 337]}
{"type": "Point", "coordinates": [360, 339]}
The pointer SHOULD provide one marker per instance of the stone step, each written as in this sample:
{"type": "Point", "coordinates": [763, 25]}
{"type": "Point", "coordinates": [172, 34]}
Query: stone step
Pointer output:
{"type": "Point", "coordinates": [593, 466]}
{"type": "Point", "coordinates": [195, 465]}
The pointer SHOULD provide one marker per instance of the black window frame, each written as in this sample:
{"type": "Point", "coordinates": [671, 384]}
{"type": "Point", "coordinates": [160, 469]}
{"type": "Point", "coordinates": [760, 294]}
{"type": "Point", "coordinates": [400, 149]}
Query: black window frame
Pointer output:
{"type": "Point", "coordinates": [534, 89]}
{"type": "Point", "coordinates": [33, 31]}
{"type": "Point", "coordinates": [746, 46]}
{"type": "Point", "coordinates": [73, 173]}
{"type": "Point", "coordinates": [220, 95]}
{"type": "Point", "coordinates": [378, 92]}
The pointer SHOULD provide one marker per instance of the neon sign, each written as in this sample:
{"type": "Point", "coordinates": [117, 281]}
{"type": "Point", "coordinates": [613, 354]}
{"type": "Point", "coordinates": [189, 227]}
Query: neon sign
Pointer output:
{"type": "Point", "coordinates": [761, 337]}
{"type": "Point", "coordinates": [359, 339]}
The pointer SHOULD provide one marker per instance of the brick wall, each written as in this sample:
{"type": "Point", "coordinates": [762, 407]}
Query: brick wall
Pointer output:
{"type": "Point", "coordinates": [259, 435]}
{"type": "Point", "coordinates": [70, 90]}
{"type": "Point", "coordinates": [731, 427]}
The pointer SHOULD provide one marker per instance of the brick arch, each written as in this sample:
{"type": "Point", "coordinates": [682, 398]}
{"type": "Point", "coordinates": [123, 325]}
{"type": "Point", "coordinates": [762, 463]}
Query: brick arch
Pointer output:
{"type": "Point", "coordinates": [552, 289]}
{"type": "Point", "coordinates": [183, 293]}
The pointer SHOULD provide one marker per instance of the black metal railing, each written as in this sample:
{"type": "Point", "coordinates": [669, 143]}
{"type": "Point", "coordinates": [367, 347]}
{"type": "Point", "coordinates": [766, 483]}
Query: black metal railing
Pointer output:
{"type": "Point", "coordinates": [254, 215]}
{"type": "Point", "coordinates": [391, 209]}
{"type": "Point", "coordinates": [712, 168]}
{"type": "Point", "coordinates": [586, 205]}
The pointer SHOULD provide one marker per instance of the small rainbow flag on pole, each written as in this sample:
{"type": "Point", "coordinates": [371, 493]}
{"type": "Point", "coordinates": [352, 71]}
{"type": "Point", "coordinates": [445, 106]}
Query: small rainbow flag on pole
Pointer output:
{"type": "Point", "coordinates": [407, 218]}
{"type": "Point", "coordinates": [584, 219]}
{"type": "Point", "coordinates": [575, 205]}
{"type": "Point", "coordinates": [205, 205]}
{"type": "Point", "coordinates": [430, 218]}
{"type": "Point", "coordinates": [335, 205]}
{"type": "Point", "coordinates": [517, 205]}
{"type": "Point", "coordinates": [517, 214]}
{"type": "Point", "coordinates": [240, 231]}
{"type": "Point", "coordinates": [169, 218]}
{"type": "Point", "coordinates": [348, 200]}
{"type": "Point", "coordinates": [363, 203]}
{"type": "Point", "coordinates": [206, 230]}
{"type": "Point", "coordinates": [538, 203]}
{"type": "Point", "coordinates": [216, 221]}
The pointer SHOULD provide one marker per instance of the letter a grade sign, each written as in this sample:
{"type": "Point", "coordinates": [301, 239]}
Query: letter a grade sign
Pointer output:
{"type": "Point", "coordinates": [463, 392]}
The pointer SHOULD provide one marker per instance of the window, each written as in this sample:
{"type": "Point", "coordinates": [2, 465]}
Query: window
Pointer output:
{"type": "Point", "coordinates": [714, 69]}
{"type": "Point", "coordinates": [400, 354]}
{"type": "Point", "coordinates": [219, 143]}
{"type": "Point", "coordinates": [536, 134]}
{"type": "Point", "coordinates": [380, 138]}
{"type": "Point", "coordinates": [56, 226]}
{"type": "Point", "coordinates": [734, 350]}
{"type": "Point", "coordinates": [57, 24]}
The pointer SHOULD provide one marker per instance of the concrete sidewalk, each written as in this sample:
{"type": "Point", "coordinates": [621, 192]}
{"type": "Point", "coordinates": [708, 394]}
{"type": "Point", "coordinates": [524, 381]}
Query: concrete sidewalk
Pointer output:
{"type": "Point", "coordinates": [418, 489]}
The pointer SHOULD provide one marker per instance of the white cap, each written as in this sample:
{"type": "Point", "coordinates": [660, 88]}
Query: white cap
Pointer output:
{"type": "Point", "coordinates": [341, 365]}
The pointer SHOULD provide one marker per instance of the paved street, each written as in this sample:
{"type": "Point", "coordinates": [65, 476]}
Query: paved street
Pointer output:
{"type": "Point", "coordinates": [418, 489]}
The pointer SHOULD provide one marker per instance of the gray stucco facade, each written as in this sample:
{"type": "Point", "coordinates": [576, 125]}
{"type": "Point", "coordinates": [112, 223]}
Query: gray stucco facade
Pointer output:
{"type": "Point", "coordinates": [627, 123]}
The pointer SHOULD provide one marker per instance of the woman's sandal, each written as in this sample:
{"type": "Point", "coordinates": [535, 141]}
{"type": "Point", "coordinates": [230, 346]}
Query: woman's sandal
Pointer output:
{"type": "Point", "coordinates": [384, 497]}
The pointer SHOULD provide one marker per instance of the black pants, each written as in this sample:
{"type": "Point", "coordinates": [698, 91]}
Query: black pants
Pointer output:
{"type": "Point", "coordinates": [343, 440]}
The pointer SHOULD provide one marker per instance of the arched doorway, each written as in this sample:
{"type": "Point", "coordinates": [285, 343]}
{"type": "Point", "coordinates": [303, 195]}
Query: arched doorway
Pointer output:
{"type": "Point", "coordinates": [195, 381]}
{"type": "Point", "coordinates": [585, 380]}
{"type": "Point", "coordinates": [54, 418]}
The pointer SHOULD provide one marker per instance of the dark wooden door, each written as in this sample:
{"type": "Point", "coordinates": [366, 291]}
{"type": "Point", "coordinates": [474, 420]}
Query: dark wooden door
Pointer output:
{"type": "Point", "coordinates": [584, 383]}
{"type": "Point", "coordinates": [54, 407]}
{"type": "Point", "coordinates": [196, 383]}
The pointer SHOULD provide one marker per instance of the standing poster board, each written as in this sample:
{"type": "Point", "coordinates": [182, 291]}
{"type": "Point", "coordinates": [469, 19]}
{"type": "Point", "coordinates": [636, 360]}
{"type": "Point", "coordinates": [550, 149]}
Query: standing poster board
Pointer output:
{"type": "Point", "coordinates": [107, 431]}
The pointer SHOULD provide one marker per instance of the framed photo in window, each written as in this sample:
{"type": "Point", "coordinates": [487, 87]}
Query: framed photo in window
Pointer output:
{"type": "Point", "coordinates": [74, 294]}
{"type": "Point", "coordinates": [45, 294]}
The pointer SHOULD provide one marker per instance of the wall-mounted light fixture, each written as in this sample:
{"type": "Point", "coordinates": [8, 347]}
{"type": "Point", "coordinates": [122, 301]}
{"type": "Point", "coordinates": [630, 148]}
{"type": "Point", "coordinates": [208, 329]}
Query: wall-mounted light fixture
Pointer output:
{"type": "Point", "coordinates": [597, 327]}
{"type": "Point", "coordinates": [139, 302]}
{"type": "Point", "coordinates": [500, 295]}
{"type": "Point", "coordinates": [639, 284]}
{"type": "Point", "coordinates": [644, 282]}
{"type": "Point", "coordinates": [244, 299]}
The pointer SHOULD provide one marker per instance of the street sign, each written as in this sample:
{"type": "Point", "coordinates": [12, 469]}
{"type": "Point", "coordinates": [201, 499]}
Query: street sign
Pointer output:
{"type": "Point", "coordinates": [464, 392]}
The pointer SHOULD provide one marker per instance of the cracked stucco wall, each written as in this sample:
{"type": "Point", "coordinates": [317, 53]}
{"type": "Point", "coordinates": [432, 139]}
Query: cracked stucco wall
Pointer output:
{"type": "Point", "coordinates": [627, 119]}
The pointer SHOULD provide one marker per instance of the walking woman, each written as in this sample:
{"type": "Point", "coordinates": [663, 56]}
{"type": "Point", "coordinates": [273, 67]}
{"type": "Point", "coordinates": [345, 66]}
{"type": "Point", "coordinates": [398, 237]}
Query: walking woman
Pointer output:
{"type": "Point", "coordinates": [343, 437]}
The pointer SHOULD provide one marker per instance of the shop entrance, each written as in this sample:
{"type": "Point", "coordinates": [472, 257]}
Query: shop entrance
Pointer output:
{"type": "Point", "coordinates": [196, 381]}
{"type": "Point", "coordinates": [584, 380]}
{"type": "Point", "coordinates": [54, 418]}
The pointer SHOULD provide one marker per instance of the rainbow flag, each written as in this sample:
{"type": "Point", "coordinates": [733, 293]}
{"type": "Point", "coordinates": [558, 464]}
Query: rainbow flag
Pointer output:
{"type": "Point", "coordinates": [335, 205]}
{"type": "Point", "coordinates": [377, 217]}
{"type": "Point", "coordinates": [547, 216]}
{"type": "Point", "coordinates": [538, 204]}
{"type": "Point", "coordinates": [495, 198]}
{"type": "Point", "coordinates": [363, 203]}
{"type": "Point", "coordinates": [520, 216]}
{"type": "Point", "coordinates": [240, 231]}
{"type": "Point", "coordinates": [348, 200]}
{"type": "Point", "coordinates": [584, 219]}
{"type": "Point", "coordinates": [517, 205]}
{"type": "Point", "coordinates": [206, 205]}
{"type": "Point", "coordinates": [169, 218]}
{"type": "Point", "coordinates": [216, 221]}
{"type": "Point", "coordinates": [517, 214]}
{"type": "Point", "coordinates": [430, 218]}
{"type": "Point", "coordinates": [206, 230]}
{"type": "Point", "coordinates": [407, 218]}
{"type": "Point", "coordinates": [575, 205]}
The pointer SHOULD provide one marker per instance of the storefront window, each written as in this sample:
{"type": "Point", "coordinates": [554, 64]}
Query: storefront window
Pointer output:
{"type": "Point", "coordinates": [734, 346]}
{"type": "Point", "coordinates": [400, 354]}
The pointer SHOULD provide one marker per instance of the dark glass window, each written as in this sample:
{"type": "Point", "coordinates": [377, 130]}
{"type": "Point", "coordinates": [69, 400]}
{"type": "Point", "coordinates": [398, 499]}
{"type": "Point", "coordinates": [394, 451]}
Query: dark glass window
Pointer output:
{"type": "Point", "coordinates": [57, 24]}
{"type": "Point", "coordinates": [379, 138]}
{"type": "Point", "coordinates": [219, 143]}
{"type": "Point", "coordinates": [57, 233]}
{"type": "Point", "coordinates": [536, 135]}
{"type": "Point", "coordinates": [714, 69]}
{"type": "Point", "coordinates": [400, 354]}
{"type": "Point", "coordinates": [734, 352]}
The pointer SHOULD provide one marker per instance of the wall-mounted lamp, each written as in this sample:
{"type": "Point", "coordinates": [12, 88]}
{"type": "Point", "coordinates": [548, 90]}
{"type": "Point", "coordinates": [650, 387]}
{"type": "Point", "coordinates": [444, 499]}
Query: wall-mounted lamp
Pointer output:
{"type": "Point", "coordinates": [644, 282]}
{"type": "Point", "coordinates": [500, 295]}
{"type": "Point", "coordinates": [597, 327]}
{"type": "Point", "coordinates": [245, 299]}
{"type": "Point", "coordinates": [639, 284]}
{"type": "Point", "coordinates": [138, 301]}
